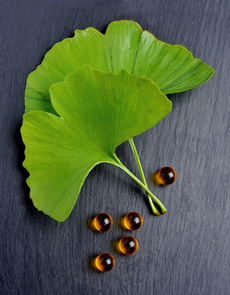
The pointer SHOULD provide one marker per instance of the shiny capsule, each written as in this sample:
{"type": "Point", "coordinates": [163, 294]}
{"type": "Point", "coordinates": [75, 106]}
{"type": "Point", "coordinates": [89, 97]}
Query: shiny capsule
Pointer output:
{"type": "Point", "coordinates": [165, 176]}
{"type": "Point", "coordinates": [133, 221]}
{"type": "Point", "coordinates": [104, 262]}
{"type": "Point", "coordinates": [102, 222]}
{"type": "Point", "coordinates": [128, 245]}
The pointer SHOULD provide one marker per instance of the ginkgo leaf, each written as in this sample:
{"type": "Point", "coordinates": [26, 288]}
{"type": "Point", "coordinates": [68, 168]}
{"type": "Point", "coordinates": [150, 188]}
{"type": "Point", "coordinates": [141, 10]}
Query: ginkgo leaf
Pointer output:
{"type": "Point", "coordinates": [96, 112]}
{"type": "Point", "coordinates": [124, 46]}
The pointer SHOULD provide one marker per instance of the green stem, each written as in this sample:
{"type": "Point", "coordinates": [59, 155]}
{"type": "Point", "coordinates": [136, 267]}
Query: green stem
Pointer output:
{"type": "Point", "coordinates": [126, 170]}
{"type": "Point", "coordinates": [133, 147]}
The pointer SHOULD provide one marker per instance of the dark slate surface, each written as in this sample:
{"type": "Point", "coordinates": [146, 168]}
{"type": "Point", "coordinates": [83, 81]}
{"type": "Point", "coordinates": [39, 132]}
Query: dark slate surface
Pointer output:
{"type": "Point", "coordinates": [186, 251]}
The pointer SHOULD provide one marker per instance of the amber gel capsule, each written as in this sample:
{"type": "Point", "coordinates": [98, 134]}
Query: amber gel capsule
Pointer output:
{"type": "Point", "coordinates": [133, 221]}
{"type": "Point", "coordinates": [104, 262]}
{"type": "Point", "coordinates": [166, 176]}
{"type": "Point", "coordinates": [102, 222]}
{"type": "Point", "coordinates": [128, 245]}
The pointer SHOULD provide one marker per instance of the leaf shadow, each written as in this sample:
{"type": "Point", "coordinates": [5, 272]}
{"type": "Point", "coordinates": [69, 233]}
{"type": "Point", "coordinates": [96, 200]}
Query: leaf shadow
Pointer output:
{"type": "Point", "coordinates": [179, 99]}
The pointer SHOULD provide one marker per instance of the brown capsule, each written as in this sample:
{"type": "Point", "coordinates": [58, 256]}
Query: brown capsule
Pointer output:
{"type": "Point", "coordinates": [165, 176]}
{"type": "Point", "coordinates": [128, 245]}
{"type": "Point", "coordinates": [104, 262]}
{"type": "Point", "coordinates": [133, 221]}
{"type": "Point", "coordinates": [102, 222]}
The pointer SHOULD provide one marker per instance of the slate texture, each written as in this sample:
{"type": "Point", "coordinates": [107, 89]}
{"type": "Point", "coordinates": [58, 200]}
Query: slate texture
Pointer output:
{"type": "Point", "coordinates": [184, 252]}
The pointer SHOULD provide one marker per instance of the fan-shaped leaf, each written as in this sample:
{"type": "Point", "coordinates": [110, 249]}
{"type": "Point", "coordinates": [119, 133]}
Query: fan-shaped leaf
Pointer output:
{"type": "Point", "coordinates": [97, 112]}
{"type": "Point", "coordinates": [124, 46]}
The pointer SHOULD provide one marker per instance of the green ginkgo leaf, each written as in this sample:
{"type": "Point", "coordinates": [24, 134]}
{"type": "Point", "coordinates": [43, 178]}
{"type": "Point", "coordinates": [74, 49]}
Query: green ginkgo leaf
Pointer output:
{"type": "Point", "coordinates": [96, 112]}
{"type": "Point", "coordinates": [124, 46]}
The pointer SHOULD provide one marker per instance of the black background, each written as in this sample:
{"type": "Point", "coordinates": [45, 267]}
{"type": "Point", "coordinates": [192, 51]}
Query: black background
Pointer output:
{"type": "Point", "coordinates": [185, 251]}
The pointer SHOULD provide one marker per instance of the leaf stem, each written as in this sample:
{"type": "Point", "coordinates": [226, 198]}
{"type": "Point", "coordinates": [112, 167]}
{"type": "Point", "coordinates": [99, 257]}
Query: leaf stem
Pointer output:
{"type": "Point", "coordinates": [126, 170]}
{"type": "Point", "coordinates": [136, 156]}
